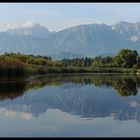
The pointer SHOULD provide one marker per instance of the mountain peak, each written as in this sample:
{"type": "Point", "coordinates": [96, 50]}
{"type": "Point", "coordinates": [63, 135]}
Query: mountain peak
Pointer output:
{"type": "Point", "coordinates": [29, 28]}
{"type": "Point", "coordinates": [122, 22]}
{"type": "Point", "coordinates": [125, 23]}
{"type": "Point", "coordinates": [128, 29]}
{"type": "Point", "coordinates": [29, 24]}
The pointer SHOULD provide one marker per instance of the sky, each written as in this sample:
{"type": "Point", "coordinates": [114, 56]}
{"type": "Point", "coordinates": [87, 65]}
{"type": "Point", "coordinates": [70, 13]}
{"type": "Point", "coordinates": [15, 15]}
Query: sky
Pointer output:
{"type": "Point", "coordinates": [58, 16]}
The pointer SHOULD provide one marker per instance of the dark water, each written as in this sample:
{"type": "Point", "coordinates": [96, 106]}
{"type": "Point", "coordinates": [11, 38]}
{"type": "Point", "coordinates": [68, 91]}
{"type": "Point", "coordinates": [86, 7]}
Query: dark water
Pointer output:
{"type": "Point", "coordinates": [92, 105]}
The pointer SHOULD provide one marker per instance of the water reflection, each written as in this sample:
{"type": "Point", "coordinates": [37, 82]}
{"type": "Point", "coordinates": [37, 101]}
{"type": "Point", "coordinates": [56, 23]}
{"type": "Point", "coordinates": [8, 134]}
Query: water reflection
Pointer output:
{"type": "Point", "coordinates": [83, 95]}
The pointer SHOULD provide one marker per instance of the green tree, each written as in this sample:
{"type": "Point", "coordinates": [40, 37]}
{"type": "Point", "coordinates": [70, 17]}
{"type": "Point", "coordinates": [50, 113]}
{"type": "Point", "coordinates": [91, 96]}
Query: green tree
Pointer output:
{"type": "Point", "coordinates": [126, 58]}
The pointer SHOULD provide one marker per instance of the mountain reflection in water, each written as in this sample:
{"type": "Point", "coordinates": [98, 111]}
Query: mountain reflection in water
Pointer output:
{"type": "Point", "coordinates": [91, 95]}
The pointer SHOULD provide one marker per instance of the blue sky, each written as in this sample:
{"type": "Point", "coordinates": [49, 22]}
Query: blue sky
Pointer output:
{"type": "Point", "coordinates": [58, 16]}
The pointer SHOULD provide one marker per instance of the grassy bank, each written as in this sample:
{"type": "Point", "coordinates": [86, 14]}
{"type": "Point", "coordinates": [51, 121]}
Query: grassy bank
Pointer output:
{"type": "Point", "coordinates": [45, 70]}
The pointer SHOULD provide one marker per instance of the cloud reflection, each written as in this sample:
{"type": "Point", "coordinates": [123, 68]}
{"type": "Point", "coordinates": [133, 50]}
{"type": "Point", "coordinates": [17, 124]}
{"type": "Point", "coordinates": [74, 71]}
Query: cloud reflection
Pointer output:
{"type": "Point", "coordinates": [14, 115]}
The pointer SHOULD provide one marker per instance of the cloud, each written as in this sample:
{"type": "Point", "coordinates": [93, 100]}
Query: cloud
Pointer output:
{"type": "Point", "coordinates": [10, 26]}
{"type": "Point", "coordinates": [26, 24]}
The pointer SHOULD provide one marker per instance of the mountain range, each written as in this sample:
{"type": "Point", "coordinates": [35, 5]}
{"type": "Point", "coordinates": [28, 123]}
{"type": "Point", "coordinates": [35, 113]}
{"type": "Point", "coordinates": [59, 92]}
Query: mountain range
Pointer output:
{"type": "Point", "coordinates": [79, 41]}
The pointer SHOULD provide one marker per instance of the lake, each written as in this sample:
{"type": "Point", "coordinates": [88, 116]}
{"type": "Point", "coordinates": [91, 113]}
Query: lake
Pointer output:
{"type": "Point", "coordinates": [73, 105]}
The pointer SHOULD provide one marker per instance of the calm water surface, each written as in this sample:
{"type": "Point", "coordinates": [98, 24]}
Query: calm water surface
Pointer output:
{"type": "Point", "coordinates": [86, 105]}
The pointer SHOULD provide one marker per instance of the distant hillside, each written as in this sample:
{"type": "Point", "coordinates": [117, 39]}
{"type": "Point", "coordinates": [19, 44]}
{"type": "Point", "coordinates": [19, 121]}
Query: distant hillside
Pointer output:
{"type": "Point", "coordinates": [83, 40]}
{"type": "Point", "coordinates": [68, 55]}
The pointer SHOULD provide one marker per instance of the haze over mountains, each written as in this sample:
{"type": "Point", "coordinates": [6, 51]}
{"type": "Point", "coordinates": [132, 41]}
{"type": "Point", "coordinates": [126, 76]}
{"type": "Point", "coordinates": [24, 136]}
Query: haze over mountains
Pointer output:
{"type": "Point", "coordinates": [83, 40]}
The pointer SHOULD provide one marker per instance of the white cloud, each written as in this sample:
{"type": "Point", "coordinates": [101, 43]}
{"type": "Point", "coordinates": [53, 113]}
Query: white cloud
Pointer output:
{"type": "Point", "coordinates": [26, 24]}
{"type": "Point", "coordinates": [11, 26]}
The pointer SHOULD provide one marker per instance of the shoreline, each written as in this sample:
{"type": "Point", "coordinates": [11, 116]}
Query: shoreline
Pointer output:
{"type": "Point", "coordinates": [77, 74]}
{"type": "Point", "coordinates": [33, 76]}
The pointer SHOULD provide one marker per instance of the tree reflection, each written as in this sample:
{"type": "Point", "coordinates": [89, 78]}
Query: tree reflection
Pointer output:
{"type": "Point", "coordinates": [12, 90]}
{"type": "Point", "coordinates": [125, 85]}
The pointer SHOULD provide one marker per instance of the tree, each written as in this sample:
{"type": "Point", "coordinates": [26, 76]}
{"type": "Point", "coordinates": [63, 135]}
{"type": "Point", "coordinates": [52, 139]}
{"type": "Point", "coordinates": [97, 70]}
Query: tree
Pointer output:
{"type": "Point", "coordinates": [126, 58]}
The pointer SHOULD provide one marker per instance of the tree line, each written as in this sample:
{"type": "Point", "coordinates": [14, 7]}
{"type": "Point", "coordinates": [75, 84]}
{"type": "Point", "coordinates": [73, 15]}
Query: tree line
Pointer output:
{"type": "Point", "coordinates": [16, 63]}
{"type": "Point", "coordinates": [124, 59]}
